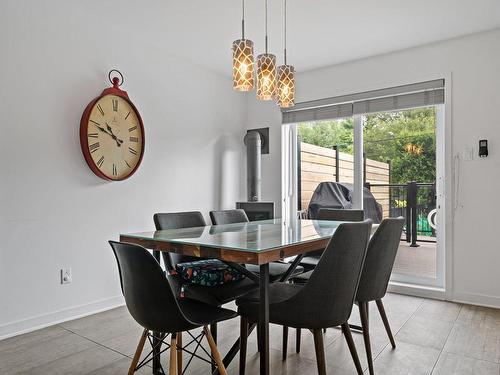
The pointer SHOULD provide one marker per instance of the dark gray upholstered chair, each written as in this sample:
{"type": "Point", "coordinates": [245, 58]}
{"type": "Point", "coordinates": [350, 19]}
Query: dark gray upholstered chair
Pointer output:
{"type": "Point", "coordinates": [325, 301]}
{"type": "Point", "coordinates": [153, 304]}
{"type": "Point", "coordinates": [333, 214]}
{"type": "Point", "coordinates": [276, 269]}
{"type": "Point", "coordinates": [212, 295]}
{"type": "Point", "coordinates": [377, 270]}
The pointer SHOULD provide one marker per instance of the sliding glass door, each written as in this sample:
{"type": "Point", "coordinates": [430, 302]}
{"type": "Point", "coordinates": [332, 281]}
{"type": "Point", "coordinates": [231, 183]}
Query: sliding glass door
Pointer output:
{"type": "Point", "coordinates": [394, 155]}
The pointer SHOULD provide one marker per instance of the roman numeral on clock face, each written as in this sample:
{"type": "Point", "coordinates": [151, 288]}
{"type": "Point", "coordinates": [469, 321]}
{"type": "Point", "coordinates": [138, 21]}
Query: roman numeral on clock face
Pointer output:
{"type": "Point", "coordinates": [100, 161]}
{"type": "Point", "coordinates": [115, 105]}
{"type": "Point", "coordinates": [93, 135]}
{"type": "Point", "coordinates": [132, 151]}
{"type": "Point", "coordinates": [134, 139]}
{"type": "Point", "coordinates": [94, 147]}
{"type": "Point", "coordinates": [115, 172]}
{"type": "Point", "coordinates": [99, 108]}
{"type": "Point", "coordinates": [130, 130]}
{"type": "Point", "coordinates": [128, 114]}
{"type": "Point", "coordinates": [128, 165]}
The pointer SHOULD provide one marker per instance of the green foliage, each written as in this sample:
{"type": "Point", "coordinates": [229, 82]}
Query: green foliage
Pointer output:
{"type": "Point", "coordinates": [405, 139]}
{"type": "Point", "coordinates": [328, 134]}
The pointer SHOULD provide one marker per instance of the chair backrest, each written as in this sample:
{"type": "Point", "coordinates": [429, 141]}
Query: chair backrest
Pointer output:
{"type": "Point", "coordinates": [228, 216]}
{"type": "Point", "coordinates": [335, 214]}
{"type": "Point", "coordinates": [380, 258]}
{"type": "Point", "coordinates": [178, 220]}
{"type": "Point", "coordinates": [327, 298]}
{"type": "Point", "coordinates": [148, 294]}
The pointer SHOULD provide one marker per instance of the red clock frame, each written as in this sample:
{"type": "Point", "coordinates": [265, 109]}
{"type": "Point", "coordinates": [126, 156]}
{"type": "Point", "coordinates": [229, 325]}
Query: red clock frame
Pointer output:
{"type": "Point", "coordinates": [84, 123]}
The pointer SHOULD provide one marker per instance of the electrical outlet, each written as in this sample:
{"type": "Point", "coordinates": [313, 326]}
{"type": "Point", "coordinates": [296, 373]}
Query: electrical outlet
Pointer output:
{"type": "Point", "coordinates": [66, 277]}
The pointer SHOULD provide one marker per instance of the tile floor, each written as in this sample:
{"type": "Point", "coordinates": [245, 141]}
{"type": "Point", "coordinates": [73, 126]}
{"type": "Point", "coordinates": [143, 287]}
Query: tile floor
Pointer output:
{"type": "Point", "coordinates": [432, 337]}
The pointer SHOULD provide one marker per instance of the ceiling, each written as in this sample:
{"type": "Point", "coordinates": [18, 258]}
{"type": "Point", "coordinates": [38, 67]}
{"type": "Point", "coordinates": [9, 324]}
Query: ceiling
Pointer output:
{"type": "Point", "coordinates": [320, 32]}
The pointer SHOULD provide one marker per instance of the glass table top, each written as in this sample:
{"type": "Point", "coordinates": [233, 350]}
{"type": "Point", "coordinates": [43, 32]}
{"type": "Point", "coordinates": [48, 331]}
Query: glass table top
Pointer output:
{"type": "Point", "coordinates": [256, 236]}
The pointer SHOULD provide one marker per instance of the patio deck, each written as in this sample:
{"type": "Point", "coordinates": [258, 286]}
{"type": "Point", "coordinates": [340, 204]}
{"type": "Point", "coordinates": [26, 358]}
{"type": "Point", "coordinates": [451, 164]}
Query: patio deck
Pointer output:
{"type": "Point", "coordinates": [416, 261]}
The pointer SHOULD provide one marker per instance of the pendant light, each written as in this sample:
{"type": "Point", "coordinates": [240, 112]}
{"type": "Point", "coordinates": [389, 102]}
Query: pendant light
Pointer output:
{"type": "Point", "coordinates": [243, 60]}
{"type": "Point", "coordinates": [266, 72]}
{"type": "Point", "coordinates": [285, 94]}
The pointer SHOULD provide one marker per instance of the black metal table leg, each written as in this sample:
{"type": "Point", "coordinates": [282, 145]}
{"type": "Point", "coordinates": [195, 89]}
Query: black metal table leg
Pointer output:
{"type": "Point", "coordinates": [156, 342]}
{"type": "Point", "coordinates": [264, 319]}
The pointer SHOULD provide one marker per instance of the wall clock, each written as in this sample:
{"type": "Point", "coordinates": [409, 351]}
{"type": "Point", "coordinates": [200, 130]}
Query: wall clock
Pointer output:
{"type": "Point", "coordinates": [112, 133]}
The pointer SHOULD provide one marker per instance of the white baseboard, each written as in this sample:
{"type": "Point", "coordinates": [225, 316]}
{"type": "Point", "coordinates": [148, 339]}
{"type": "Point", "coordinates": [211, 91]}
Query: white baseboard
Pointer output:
{"type": "Point", "coordinates": [42, 321]}
{"type": "Point", "coordinates": [477, 299]}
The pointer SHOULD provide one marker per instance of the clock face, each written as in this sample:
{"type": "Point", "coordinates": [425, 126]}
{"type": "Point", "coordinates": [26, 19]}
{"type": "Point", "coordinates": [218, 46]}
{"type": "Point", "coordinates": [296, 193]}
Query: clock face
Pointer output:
{"type": "Point", "coordinates": [115, 138]}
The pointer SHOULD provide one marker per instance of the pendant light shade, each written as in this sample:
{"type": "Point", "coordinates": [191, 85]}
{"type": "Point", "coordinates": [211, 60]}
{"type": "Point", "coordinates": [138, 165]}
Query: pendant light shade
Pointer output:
{"type": "Point", "coordinates": [266, 76]}
{"type": "Point", "coordinates": [286, 86]}
{"type": "Point", "coordinates": [243, 59]}
{"type": "Point", "coordinates": [285, 94]}
{"type": "Point", "coordinates": [266, 73]}
{"type": "Point", "coordinates": [243, 65]}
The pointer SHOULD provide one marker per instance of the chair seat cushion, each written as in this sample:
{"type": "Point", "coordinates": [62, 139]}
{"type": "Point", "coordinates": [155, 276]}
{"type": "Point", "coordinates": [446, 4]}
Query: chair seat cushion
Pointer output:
{"type": "Point", "coordinates": [208, 272]}
{"type": "Point", "coordinates": [302, 278]}
{"type": "Point", "coordinates": [248, 305]}
{"type": "Point", "coordinates": [310, 262]}
{"type": "Point", "coordinates": [276, 270]}
{"type": "Point", "coordinates": [213, 296]}
{"type": "Point", "coordinates": [202, 314]}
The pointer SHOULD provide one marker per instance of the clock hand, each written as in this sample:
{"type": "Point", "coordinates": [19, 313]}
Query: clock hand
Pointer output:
{"type": "Point", "coordinates": [118, 141]}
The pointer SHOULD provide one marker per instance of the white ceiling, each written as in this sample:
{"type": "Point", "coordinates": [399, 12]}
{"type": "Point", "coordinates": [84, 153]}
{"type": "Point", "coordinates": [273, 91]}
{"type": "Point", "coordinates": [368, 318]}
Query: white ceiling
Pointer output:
{"type": "Point", "coordinates": [320, 32]}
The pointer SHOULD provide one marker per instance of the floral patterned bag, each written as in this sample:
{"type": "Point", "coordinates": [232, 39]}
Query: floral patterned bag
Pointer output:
{"type": "Point", "coordinates": [208, 272]}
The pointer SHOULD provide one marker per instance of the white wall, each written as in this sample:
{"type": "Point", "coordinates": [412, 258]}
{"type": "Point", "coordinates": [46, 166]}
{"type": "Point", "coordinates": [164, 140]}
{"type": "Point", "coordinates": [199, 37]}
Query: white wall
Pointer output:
{"type": "Point", "coordinates": [473, 63]}
{"type": "Point", "coordinates": [54, 212]}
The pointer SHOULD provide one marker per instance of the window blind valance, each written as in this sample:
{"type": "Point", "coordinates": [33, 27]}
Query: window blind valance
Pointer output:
{"type": "Point", "coordinates": [389, 99]}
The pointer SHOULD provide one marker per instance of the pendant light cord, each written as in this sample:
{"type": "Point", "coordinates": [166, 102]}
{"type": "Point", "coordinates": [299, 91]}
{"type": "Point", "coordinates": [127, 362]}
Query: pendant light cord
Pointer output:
{"type": "Point", "coordinates": [266, 24]}
{"type": "Point", "coordinates": [243, 21]}
{"type": "Point", "coordinates": [284, 21]}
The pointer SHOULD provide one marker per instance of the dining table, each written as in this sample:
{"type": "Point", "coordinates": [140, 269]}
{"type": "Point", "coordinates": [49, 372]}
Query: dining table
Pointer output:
{"type": "Point", "coordinates": [237, 244]}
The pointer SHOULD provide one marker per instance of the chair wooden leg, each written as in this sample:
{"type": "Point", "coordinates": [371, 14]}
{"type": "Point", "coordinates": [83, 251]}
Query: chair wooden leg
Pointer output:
{"type": "Point", "coordinates": [363, 313]}
{"type": "Point", "coordinates": [138, 352]}
{"type": "Point", "coordinates": [173, 355]}
{"type": "Point", "coordinates": [213, 330]}
{"type": "Point", "coordinates": [243, 344]}
{"type": "Point", "coordinates": [352, 348]}
{"type": "Point", "coordinates": [285, 343]}
{"type": "Point", "coordinates": [381, 310]}
{"type": "Point", "coordinates": [179, 353]}
{"type": "Point", "coordinates": [298, 335]}
{"type": "Point", "coordinates": [215, 351]}
{"type": "Point", "coordinates": [319, 347]}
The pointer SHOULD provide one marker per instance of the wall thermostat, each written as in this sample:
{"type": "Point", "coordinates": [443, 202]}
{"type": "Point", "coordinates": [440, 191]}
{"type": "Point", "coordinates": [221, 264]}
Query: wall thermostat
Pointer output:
{"type": "Point", "coordinates": [483, 148]}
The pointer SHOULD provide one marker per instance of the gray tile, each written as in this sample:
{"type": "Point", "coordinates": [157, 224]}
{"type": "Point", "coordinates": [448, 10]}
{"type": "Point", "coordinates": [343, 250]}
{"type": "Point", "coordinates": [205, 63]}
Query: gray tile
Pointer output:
{"type": "Point", "coordinates": [451, 364]}
{"type": "Point", "coordinates": [475, 342]}
{"type": "Point", "coordinates": [125, 343]}
{"type": "Point", "coordinates": [294, 365]}
{"type": "Point", "coordinates": [120, 366]}
{"type": "Point", "coordinates": [407, 359]}
{"type": "Point", "coordinates": [426, 332]}
{"type": "Point", "coordinates": [36, 353]}
{"type": "Point", "coordinates": [103, 326]}
{"type": "Point", "coordinates": [78, 363]}
{"type": "Point", "coordinates": [339, 357]}
{"type": "Point", "coordinates": [29, 339]}
{"type": "Point", "coordinates": [439, 310]}
{"type": "Point", "coordinates": [480, 317]}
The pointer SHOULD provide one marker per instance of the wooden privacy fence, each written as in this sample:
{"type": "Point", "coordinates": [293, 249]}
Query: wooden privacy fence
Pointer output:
{"type": "Point", "coordinates": [319, 164]}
